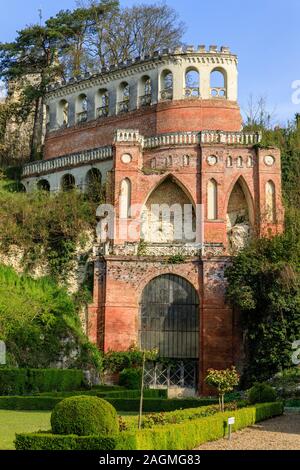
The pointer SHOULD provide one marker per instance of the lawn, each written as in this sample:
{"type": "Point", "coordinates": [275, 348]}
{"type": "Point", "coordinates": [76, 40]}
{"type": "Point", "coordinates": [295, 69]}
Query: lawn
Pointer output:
{"type": "Point", "coordinates": [12, 422]}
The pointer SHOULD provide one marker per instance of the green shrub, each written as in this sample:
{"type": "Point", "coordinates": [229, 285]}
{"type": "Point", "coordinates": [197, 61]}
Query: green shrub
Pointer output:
{"type": "Point", "coordinates": [28, 403]}
{"type": "Point", "coordinates": [46, 441]}
{"type": "Point", "coordinates": [179, 416]}
{"type": "Point", "coordinates": [148, 393]}
{"type": "Point", "coordinates": [185, 436]}
{"type": "Point", "coordinates": [131, 378]}
{"type": "Point", "coordinates": [84, 416]}
{"type": "Point", "coordinates": [39, 323]}
{"type": "Point", "coordinates": [261, 393]}
{"type": "Point", "coordinates": [192, 433]}
{"type": "Point", "coordinates": [26, 381]}
{"type": "Point", "coordinates": [293, 403]}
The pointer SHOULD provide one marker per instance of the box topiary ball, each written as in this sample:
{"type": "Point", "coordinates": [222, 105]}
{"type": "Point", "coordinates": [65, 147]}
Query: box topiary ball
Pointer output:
{"type": "Point", "coordinates": [84, 416]}
{"type": "Point", "coordinates": [261, 393]}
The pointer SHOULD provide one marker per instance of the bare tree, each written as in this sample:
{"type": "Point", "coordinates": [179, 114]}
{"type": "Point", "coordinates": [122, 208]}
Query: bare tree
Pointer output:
{"type": "Point", "coordinates": [257, 114]}
{"type": "Point", "coordinates": [124, 33]}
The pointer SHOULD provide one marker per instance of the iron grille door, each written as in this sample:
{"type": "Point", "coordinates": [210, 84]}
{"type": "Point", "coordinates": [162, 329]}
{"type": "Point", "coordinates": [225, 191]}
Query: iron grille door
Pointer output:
{"type": "Point", "coordinates": [170, 318]}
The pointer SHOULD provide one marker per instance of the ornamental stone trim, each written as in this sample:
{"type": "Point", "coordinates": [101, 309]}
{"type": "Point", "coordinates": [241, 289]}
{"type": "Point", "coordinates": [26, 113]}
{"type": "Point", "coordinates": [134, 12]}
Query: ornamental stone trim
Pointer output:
{"type": "Point", "coordinates": [189, 56]}
{"type": "Point", "coordinates": [71, 160]}
{"type": "Point", "coordinates": [134, 136]}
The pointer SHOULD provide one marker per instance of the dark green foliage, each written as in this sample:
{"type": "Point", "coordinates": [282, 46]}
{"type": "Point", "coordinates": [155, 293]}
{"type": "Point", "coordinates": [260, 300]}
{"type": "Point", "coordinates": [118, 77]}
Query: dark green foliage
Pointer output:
{"type": "Point", "coordinates": [293, 403]}
{"type": "Point", "coordinates": [148, 393]}
{"type": "Point", "coordinates": [44, 441]}
{"type": "Point", "coordinates": [151, 405]}
{"type": "Point", "coordinates": [118, 361]}
{"type": "Point", "coordinates": [286, 383]}
{"type": "Point", "coordinates": [39, 323]}
{"type": "Point", "coordinates": [264, 283]}
{"type": "Point", "coordinates": [185, 436]}
{"type": "Point", "coordinates": [28, 403]}
{"type": "Point", "coordinates": [261, 393]}
{"type": "Point", "coordinates": [84, 416]}
{"type": "Point", "coordinates": [131, 378]}
{"type": "Point", "coordinates": [47, 228]}
{"type": "Point", "coordinates": [27, 381]}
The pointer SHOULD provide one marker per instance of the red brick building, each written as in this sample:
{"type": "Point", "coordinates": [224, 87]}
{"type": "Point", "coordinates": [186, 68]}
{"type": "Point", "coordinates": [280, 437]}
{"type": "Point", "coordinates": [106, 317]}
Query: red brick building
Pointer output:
{"type": "Point", "coordinates": [164, 130]}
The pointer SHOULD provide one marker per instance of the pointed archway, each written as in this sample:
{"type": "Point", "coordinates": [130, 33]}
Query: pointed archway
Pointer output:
{"type": "Point", "coordinates": [168, 215]}
{"type": "Point", "coordinates": [239, 216]}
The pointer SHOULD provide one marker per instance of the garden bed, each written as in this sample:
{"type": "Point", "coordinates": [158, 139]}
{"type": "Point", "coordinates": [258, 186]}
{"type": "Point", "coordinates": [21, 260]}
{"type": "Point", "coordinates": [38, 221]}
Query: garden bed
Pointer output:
{"type": "Point", "coordinates": [187, 435]}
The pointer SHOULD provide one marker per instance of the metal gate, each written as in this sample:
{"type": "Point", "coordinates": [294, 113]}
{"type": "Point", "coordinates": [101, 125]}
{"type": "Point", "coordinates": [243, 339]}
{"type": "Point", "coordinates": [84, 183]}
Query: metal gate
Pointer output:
{"type": "Point", "coordinates": [170, 323]}
{"type": "Point", "coordinates": [181, 374]}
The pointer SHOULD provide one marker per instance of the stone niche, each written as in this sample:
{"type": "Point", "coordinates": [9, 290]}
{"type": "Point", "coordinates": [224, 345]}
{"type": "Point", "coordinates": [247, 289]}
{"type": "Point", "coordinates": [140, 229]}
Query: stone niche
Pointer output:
{"type": "Point", "coordinates": [239, 218]}
{"type": "Point", "coordinates": [168, 215]}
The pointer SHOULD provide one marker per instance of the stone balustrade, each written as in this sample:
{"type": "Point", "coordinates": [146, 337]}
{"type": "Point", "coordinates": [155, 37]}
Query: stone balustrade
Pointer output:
{"type": "Point", "coordinates": [134, 136]}
{"type": "Point", "coordinates": [188, 138]}
{"type": "Point", "coordinates": [72, 160]}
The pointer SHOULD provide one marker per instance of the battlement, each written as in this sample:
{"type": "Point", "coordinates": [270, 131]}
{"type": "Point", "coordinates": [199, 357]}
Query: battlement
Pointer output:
{"type": "Point", "coordinates": [157, 55]}
{"type": "Point", "coordinates": [188, 73]}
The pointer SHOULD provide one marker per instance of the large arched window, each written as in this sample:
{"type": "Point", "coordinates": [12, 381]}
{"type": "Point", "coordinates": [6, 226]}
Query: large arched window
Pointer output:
{"type": "Point", "coordinates": [47, 113]}
{"type": "Point", "coordinates": [63, 113]}
{"type": "Point", "coordinates": [125, 199]}
{"type": "Point", "coordinates": [192, 83]}
{"type": "Point", "coordinates": [81, 108]}
{"type": "Point", "coordinates": [93, 184]}
{"type": "Point", "coordinates": [124, 98]}
{"type": "Point", "coordinates": [68, 182]}
{"type": "Point", "coordinates": [102, 103]}
{"type": "Point", "coordinates": [270, 202]}
{"type": "Point", "coordinates": [212, 200]}
{"type": "Point", "coordinates": [166, 85]}
{"type": "Point", "coordinates": [170, 320]}
{"type": "Point", "coordinates": [146, 91]}
{"type": "Point", "coordinates": [218, 85]}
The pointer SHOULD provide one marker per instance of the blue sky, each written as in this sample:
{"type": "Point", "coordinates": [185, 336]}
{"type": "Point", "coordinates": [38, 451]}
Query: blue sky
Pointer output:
{"type": "Point", "coordinates": [264, 34]}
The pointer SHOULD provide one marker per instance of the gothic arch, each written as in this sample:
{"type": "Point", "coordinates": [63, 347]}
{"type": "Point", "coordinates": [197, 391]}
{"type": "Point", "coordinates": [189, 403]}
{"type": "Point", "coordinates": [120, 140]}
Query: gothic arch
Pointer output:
{"type": "Point", "coordinates": [212, 199]}
{"type": "Point", "coordinates": [239, 215]}
{"type": "Point", "coordinates": [248, 195]}
{"type": "Point", "coordinates": [125, 198]}
{"type": "Point", "coordinates": [177, 181]}
{"type": "Point", "coordinates": [168, 215]}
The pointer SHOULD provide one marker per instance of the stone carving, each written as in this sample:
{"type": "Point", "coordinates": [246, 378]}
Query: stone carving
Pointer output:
{"type": "Point", "coordinates": [239, 236]}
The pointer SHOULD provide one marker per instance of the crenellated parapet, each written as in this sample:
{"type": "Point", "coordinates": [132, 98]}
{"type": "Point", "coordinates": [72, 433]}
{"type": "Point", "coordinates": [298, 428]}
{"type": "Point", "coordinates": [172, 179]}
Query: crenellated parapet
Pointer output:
{"type": "Point", "coordinates": [181, 74]}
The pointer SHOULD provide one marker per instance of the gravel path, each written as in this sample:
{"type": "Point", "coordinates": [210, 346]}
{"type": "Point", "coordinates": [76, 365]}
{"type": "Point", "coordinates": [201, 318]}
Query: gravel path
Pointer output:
{"type": "Point", "coordinates": [282, 433]}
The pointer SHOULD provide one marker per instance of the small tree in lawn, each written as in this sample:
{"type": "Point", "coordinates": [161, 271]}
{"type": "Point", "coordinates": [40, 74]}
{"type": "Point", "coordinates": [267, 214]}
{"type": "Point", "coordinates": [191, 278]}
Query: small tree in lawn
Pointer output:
{"type": "Point", "coordinates": [224, 381]}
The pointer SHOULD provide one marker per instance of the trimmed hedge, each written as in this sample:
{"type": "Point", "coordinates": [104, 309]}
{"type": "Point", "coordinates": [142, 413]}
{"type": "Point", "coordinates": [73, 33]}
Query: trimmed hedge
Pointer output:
{"type": "Point", "coordinates": [148, 393]}
{"type": "Point", "coordinates": [27, 381]}
{"type": "Point", "coordinates": [158, 405]}
{"type": "Point", "coordinates": [151, 405]}
{"type": "Point", "coordinates": [41, 441]}
{"type": "Point", "coordinates": [184, 436]}
{"type": "Point", "coordinates": [191, 434]}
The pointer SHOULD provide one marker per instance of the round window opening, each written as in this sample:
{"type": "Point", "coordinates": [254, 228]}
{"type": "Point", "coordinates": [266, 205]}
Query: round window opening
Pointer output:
{"type": "Point", "coordinates": [269, 160]}
{"type": "Point", "coordinates": [126, 158]}
{"type": "Point", "coordinates": [212, 160]}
